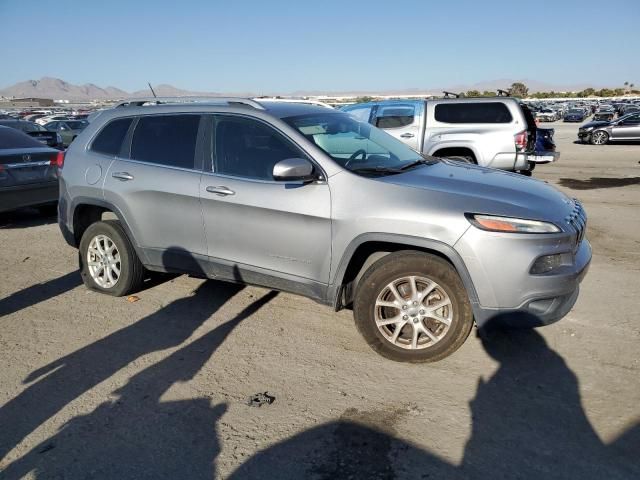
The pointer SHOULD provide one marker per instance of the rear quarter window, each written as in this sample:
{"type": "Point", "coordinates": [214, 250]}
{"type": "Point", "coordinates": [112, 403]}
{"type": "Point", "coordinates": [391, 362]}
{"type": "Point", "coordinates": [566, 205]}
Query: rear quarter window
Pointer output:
{"type": "Point", "coordinates": [480, 112]}
{"type": "Point", "coordinates": [109, 140]}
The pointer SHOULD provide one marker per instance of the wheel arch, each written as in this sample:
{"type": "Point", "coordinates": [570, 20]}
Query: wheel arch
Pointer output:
{"type": "Point", "coordinates": [456, 151]}
{"type": "Point", "coordinates": [86, 210]}
{"type": "Point", "coordinates": [363, 251]}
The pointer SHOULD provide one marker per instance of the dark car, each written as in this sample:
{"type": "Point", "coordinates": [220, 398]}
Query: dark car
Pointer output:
{"type": "Point", "coordinates": [28, 171]}
{"type": "Point", "coordinates": [44, 136]}
{"type": "Point", "coordinates": [575, 115]}
{"type": "Point", "coordinates": [605, 116]}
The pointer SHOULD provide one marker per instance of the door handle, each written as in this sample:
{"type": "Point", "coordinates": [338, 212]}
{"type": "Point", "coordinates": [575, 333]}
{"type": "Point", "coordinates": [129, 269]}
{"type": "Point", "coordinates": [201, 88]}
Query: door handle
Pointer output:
{"type": "Point", "coordinates": [124, 176]}
{"type": "Point", "coordinates": [221, 190]}
{"type": "Point", "coordinates": [407, 135]}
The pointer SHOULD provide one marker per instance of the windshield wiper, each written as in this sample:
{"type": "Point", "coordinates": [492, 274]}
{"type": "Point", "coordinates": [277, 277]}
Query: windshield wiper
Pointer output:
{"type": "Point", "coordinates": [390, 171]}
{"type": "Point", "coordinates": [422, 161]}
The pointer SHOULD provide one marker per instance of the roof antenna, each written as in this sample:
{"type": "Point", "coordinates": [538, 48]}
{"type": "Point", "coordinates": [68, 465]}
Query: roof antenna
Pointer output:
{"type": "Point", "coordinates": [151, 88]}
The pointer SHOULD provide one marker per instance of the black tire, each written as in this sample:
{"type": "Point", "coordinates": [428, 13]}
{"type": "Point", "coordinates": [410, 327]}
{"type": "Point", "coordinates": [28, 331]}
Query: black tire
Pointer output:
{"type": "Point", "coordinates": [131, 269]}
{"type": "Point", "coordinates": [462, 159]}
{"type": "Point", "coordinates": [407, 263]}
{"type": "Point", "coordinates": [601, 137]}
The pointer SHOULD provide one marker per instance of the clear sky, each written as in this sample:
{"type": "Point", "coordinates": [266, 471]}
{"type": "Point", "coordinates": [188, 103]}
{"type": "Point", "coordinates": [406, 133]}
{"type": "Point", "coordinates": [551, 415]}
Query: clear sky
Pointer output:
{"type": "Point", "coordinates": [284, 46]}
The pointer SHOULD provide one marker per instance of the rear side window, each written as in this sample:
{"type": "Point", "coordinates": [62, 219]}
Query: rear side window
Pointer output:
{"type": "Point", "coordinates": [168, 140]}
{"type": "Point", "coordinates": [480, 112]}
{"type": "Point", "coordinates": [109, 140]}
{"type": "Point", "coordinates": [395, 116]}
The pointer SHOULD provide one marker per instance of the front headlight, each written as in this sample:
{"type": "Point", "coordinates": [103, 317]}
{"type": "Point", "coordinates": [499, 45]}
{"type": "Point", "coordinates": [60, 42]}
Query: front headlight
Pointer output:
{"type": "Point", "coordinates": [493, 223]}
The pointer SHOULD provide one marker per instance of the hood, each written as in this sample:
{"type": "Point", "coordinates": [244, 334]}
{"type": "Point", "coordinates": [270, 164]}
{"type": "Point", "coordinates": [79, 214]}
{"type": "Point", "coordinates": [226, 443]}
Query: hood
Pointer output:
{"type": "Point", "coordinates": [485, 190]}
{"type": "Point", "coordinates": [596, 123]}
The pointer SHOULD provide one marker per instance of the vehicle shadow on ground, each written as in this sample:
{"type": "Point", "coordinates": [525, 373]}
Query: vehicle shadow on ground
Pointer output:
{"type": "Point", "coordinates": [28, 217]}
{"type": "Point", "coordinates": [598, 182]}
{"type": "Point", "coordinates": [41, 292]}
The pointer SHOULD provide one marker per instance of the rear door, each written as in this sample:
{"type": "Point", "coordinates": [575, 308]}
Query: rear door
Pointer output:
{"type": "Point", "coordinates": [155, 183]}
{"type": "Point", "coordinates": [627, 129]}
{"type": "Point", "coordinates": [401, 120]}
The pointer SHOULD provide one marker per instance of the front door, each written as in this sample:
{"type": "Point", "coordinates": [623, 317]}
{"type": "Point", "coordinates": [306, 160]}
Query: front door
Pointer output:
{"type": "Point", "coordinates": [627, 129]}
{"type": "Point", "coordinates": [259, 230]}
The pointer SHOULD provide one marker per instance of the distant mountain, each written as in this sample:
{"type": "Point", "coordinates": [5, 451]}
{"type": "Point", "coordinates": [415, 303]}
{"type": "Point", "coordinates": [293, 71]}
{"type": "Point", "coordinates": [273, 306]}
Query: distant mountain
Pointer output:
{"type": "Point", "coordinates": [58, 89]}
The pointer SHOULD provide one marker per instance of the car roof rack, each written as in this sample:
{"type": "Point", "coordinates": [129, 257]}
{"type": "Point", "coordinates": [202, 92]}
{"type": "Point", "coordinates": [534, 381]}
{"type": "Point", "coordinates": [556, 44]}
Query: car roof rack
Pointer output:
{"type": "Point", "coordinates": [503, 93]}
{"type": "Point", "coordinates": [143, 101]}
{"type": "Point", "coordinates": [450, 94]}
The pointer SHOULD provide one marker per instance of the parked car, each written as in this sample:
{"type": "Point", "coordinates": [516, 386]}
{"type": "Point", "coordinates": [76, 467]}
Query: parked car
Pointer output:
{"type": "Point", "coordinates": [51, 118]}
{"type": "Point", "coordinates": [491, 132]}
{"type": "Point", "coordinates": [575, 115]}
{"type": "Point", "coordinates": [67, 129]}
{"type": "Point", "coordinates": [44, 136]}
{"type": "Point", "coordinates": [546, 115]}
{"type": "Point", "coordinates": [28, 171]}
{"type": "Point", "coordinates": [312, 201]}
{"type": "Point", "coordinates": [604, 115]}
{"type": "Point", "coordinates": [626, 128]}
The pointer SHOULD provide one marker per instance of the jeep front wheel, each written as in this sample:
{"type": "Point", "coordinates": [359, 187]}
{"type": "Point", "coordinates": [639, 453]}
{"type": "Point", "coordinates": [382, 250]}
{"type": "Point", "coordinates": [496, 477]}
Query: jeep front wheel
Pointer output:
{"type": "Point", "coordinates": [412, 307]}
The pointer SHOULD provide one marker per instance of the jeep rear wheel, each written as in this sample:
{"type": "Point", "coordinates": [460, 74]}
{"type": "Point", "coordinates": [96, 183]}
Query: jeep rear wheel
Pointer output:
{"type": "Point", "coordinates": [108, 262]}
{"type": "Point", "coordinates": [412, 307]}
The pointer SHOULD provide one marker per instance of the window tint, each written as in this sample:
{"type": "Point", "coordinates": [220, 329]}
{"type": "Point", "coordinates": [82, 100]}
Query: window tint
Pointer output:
{"type": "Point", "coordinates": [12, 138]}
{"type": "Point", "coordinates": [247, 148]}
{"type": "Point", "coordinates": [109, 140]}
{"type": "Point", "coordinates": [166, 140]}
{"type": "Point", "coordinates": [395, 116]}
{"type": "Point", "coordinates": [481, 112]}
{"type": "Point", "coordinates": [360, 113]}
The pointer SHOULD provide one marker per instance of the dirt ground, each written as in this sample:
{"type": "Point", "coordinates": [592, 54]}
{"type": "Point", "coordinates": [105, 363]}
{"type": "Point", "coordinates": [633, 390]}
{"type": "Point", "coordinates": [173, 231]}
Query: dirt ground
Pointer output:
{"type": "Point", "coordinates": [99, 387]}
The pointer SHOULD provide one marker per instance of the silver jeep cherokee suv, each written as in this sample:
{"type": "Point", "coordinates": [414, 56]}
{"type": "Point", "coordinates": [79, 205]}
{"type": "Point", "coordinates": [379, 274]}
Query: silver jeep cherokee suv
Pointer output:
{"type": "Point", "coordinates": [308, 200]}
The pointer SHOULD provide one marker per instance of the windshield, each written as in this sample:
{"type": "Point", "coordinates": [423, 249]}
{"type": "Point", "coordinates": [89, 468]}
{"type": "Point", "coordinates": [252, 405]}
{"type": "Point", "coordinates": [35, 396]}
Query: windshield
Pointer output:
{"type": "Point", "coordinates": [574, 111]}
{"type": "Point", "coordinates": [352, 144]}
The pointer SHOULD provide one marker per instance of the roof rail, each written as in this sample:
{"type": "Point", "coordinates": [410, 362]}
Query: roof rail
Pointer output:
{"type": "Point", "coordinates": [451, 94]}
{"type": "Point", "coordinates": [140, 101]}
{"type": "Point", "coordinates": [503, 93]}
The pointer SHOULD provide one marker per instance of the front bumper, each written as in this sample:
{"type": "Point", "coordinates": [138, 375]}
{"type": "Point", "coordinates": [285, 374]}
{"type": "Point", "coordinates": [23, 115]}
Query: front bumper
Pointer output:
{"type": "Point", "coordinates": [584, 135]}
{"type": "Point", "coordinates": [499, 266]}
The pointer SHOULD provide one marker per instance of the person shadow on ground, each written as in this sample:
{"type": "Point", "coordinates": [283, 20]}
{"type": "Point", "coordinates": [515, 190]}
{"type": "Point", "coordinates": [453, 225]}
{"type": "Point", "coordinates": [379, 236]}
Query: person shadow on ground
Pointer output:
{"type": "Point", "coordinates": [139, 435]}
{"type": "Point", "coordinates": [527, 423]}
{"type": "Point", "coordinates": [55, 385]}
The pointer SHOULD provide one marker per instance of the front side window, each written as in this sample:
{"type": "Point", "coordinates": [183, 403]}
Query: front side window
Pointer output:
{"type": "Point", "coordinates": [395, 116]}
{"type": "Point", "coordinates": [247, 148]}
{"type": "Point", "coordinates": [477, 112]}
{"type": "Point", "coordinates": [168, 140]}
{"type": "Point", "coordinates": [109, 140]}
{"type": "Point", "coordinates": [354, 145]}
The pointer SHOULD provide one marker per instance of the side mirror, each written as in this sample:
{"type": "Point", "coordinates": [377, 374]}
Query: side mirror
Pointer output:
{"type": "Point", "coordinates": [293, 169]}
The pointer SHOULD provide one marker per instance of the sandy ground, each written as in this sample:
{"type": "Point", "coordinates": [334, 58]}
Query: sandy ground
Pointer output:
{"type": "Point", "coordinates": [98, 387]}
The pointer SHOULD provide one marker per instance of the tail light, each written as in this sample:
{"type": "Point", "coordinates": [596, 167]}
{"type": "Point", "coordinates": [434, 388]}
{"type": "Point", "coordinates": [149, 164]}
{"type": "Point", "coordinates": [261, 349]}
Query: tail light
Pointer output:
{"type": "Point", "coordinates": [521, 140]}
{"type": "Point", "coordinates": [57, 160]}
